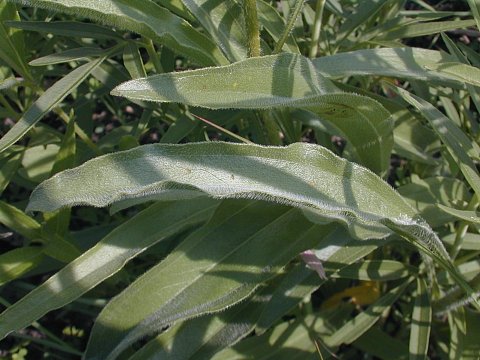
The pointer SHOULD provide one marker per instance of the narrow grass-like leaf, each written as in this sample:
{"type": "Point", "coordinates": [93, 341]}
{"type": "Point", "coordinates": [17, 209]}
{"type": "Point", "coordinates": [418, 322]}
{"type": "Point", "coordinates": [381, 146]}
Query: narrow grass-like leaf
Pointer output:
{"type": "Point", "coordinates": [133, 61]}
{"type": "Point", "coordinates": [8, 168]}
{"type": "Point", "coordinates": [145, 18]}
{"type": "Point", "coordinates": [48, 100]}
{"type": "Point", "coordinates": [374, 270]}
{"type": "Point", "coordinates": [223, 20]}
{"type": "Point", "coordinates": [421, 321]}
{"type": "Point", "coordinates": [422, 29]}
{"type": "Point", "coordinates": [470, 241]}
{"type": "Point", "coordinates": [105, 259]}
{"type": "Point", "coordinates": [18, 221]}
{"type": "Point", "coordinates": [285, 80]}
{"type": "Point", "coordinates": [274, 24]}
{"type": "Point", "coordinates": [68, 55]}
{"type": "Point", "coordinates": [211, 272]}
{"type": "Point", "coordinates": [67, 28]}
{"type": "Point", "coordinates": [469, 216]}
{"type": "Point", "coordinates": [11, 41]}
{"type": "Point", "coordinates": [407, 63]}
{"type": "Point", "coordinates": [17, 262]}
{"type": "Point", "coordinates": [475, 7]}
{"type": "Point", "coordinates": [458, 144]}
{"type": "Point", "coordinates": [366, 319]}
{"type": "Point", "coordinates": [364, 11]}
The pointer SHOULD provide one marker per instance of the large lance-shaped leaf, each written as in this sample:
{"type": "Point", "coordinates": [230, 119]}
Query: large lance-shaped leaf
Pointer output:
{"type": "Point", "coordinates": [145, 18]}
{"type": "Point", "coordinates": [303, 175]}
{"type": "Point", "coordinates": [408, 63]}
{"type": "Point", "coordinates": [285, 80]}
{"type": "Point", "coordinates": [245, 243]}
{"type": "Point", "coordinates": [103, 260]}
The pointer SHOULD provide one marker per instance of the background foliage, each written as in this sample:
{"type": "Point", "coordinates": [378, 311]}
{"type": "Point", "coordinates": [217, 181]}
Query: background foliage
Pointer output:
{"type": "Point", "coordinates": [213, 179]}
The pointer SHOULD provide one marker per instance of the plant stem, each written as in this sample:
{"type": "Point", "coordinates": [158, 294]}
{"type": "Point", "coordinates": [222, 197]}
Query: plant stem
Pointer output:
{"type": "Point", "coordinates": [253, 30]}
{"type": "Point", "coordinates": [218, 127]}
{"type": "Point", "coordinates": [462, 229]}
{"type": "Point", "coordinates": [152, 53]}
{"type": "Point", "coordinates": [288, 28]}
{"type": "Point", "coordinates": [317, 26]}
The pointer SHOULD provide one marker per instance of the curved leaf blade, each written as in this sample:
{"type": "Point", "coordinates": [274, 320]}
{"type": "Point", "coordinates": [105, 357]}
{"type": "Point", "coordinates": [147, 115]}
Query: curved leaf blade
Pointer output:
{"type": "Point", "coordinates": [105, 259]}
{"type": "Point", "coordinates": [304, 175]}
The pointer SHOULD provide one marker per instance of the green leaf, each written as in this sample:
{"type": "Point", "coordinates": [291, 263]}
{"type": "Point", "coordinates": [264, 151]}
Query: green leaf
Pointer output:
{"type": "Point", "coordinates": [223, 21]}
{"type": "Point", "coordinates": [145, 18]}
{"type": "Point", "coordinates": [105, 259]}
{"type": "Point", "coordinates": [466, 215]}
{"type": "Point", "coordinates": [133, 61]}
{"type": "Point", "coordinates": [460, 147]}
{"type": "Point", "coordinates": [12, 44]}
{"type": "Point", "coordinates": [470, 241]}
{"type": "Point", "coordinates": [365, 320]}
{"type": "Point", "coordinates": [67, 28]}
{"type": "Point", "coordinates": [285, 80]}
{"type": "Point", "coordinates": [274, 24]}
{"type": "Point", "coordinates": [404, 63]}
{"type": "Point", "coordinates": [475, 7]}
{"type": "Point", "coordinates": [48, 100]}
{"type": "Point", "coordinates": [8, 168]}
{"type": "Point", "coordinates": [212, 272]}
{"type": "Point", "coordinates": [362, 13]}
{"type": "Point", "coordinates": [421, 322]}
{"type": "Point", "coordinates": [18, 262]}
{"type": "Point", "coordinates": [303, 175]}
{"type": "Point", "coordinates": [422, 29]}
{"type": "Point", "coordinates": [81, 53]}
{"type": "Point", "coordinates": [18, 221]}
{"type": "Point", "coordinates": [373, 270]}
{"type": "Point", "coordinates": [287, 341]}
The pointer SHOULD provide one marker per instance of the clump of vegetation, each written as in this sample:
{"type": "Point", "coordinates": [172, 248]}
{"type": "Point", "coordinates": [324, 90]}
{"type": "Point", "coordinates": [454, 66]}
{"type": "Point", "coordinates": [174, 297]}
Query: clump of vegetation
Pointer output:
{"type": "Point", "coordinates": [239, 179]}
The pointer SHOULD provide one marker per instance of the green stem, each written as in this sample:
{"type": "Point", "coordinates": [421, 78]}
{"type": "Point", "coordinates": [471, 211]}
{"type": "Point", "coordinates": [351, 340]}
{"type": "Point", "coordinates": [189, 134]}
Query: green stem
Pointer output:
{"type": "Point", "coordinates": [462, 229]}
{"type": "Point", "coordinates": [288, 28]}
{"type": "Point", "coordinates": [228, 132]}
{"type": "Point", "coordinates": [152, 53]}
{"type": "Point", "coordinates": [317, 26]}
{"type": "Point", "coordinates": [253, 30]}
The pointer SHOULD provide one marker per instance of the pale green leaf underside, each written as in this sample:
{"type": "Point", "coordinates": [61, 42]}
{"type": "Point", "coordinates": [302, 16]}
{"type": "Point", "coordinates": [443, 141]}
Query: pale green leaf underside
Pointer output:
{"type": "Point", "coordinates": [145, 18]}
{"type": "Point", "coordinates": [284, 80]}
{"type": "Point", "coordinates": [307, 176]}
{"type": "Point", "coordinates": [303, 175]}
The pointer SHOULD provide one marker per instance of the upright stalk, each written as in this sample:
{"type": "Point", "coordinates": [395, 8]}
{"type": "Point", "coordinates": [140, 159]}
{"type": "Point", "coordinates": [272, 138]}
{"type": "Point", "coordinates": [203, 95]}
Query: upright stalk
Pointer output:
{"type": "Point", "coordinates": [253, 30]}
{"type": "Point", "coordinates": [317, 26]}
{"type": "Point", "coordinates": [288, 28]}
